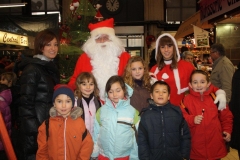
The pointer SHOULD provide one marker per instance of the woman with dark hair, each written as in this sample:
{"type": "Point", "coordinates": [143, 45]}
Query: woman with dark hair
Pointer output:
{"type": "Point", "coordinates": [39, 76]}
{"type": "Point", "coordinates": [176, 72]}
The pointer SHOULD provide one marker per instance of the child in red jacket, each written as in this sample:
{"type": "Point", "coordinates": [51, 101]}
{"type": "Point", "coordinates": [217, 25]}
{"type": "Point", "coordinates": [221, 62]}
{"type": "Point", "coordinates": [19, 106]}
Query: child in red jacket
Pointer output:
{"type": "Point", "coordinates": [64, 135]}
{"type": "Point", "coordinates": [210, 128]}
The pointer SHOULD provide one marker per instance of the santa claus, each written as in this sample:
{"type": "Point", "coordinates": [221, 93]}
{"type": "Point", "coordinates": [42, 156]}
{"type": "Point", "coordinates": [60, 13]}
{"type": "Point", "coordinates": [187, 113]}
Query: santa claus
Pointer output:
{"type": "Point", "coordinates": [104, 55]}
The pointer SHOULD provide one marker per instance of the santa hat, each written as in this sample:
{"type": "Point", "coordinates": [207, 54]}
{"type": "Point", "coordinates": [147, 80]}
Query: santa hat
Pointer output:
{"type": "Point", "coordinates": [63, 89]}
{"type": "Point", "coordinates": [103, 27]}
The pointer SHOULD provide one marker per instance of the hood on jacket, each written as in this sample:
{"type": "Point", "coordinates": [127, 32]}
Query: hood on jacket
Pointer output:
{"type": "Point", "coordinates": [75, 113]}
{"type": "Point", "coordinates": [174, 43]}
{"type": "Point", "coordinates": [6, 96]}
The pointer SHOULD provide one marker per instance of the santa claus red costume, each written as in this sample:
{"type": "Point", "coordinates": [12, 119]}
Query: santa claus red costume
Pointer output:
{"type": "Point", "coordinates": [178, 78]}
{"type": "Point", "coordinates": [104, 58]}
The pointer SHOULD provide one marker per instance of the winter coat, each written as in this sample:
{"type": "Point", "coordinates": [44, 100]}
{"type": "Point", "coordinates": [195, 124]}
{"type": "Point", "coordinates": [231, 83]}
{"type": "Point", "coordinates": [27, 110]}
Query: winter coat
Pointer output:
{"type": "Point", "coordinates": [113, 139]}
{"type": "Point", "coordinates": [96, 104]}
{"type": "Point", "coordinates": [221, 75]}
{"type": "Point", "coordinates": [37, 82]}
{"type": "Point", "coordinates": [84, 65]}
{"type": "Point", "coordinates": [167, 74]}
{"type": "Point", "coordinates": [65, 140]}
{"type": "Point", "coordinates": [5, 101]}
{"type": "Point", "coordinates": [139, 98]}
{"type": "Point", "coordinates": [163, 134]}
{"type": "Point", "coordinates": [207, 139]}
{"type": "Point", "coordinates": [235, 108]}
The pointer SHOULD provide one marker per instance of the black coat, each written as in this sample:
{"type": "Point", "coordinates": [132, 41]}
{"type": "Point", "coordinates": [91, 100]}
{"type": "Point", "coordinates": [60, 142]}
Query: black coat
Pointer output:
{"type": "Point", "coordinates": [37, 85]}
{"type": "Point", "coordinates": [163, 134]}
{"type": "Point", "coordinates": [234, 105]}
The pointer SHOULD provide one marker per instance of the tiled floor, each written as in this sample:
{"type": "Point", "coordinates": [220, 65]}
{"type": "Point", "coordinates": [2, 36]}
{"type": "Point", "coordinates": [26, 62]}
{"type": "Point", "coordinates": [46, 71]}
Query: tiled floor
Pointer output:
{"type": "Point", "coordinates": [232, 155]}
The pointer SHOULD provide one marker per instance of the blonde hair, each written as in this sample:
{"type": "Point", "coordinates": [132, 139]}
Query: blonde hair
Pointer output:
{"type": "Point", "coordinates": [127, 76]}
{"type": "Point", "coordinates": [10, 77]}
{"type": "Point", "coordinates": [81, 79]}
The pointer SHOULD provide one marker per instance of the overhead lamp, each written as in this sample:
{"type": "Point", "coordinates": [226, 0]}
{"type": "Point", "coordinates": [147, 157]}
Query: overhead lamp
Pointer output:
{"type": "Point", "coordinates": [7, 5]}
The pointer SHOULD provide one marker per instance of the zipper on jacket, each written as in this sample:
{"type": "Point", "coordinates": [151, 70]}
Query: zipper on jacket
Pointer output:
{"type": "Point", "coordinates": [163, 134]}
{"type": "Point", "coordinates": [201, 96]}
{"type": "Point", "coordinates": [64, 137]}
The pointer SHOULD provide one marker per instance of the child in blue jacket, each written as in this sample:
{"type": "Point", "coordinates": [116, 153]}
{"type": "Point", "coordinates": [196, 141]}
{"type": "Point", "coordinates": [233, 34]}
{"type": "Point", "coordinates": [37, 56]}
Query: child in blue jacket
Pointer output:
{"type": "Point", "coordinates": [114, 127]}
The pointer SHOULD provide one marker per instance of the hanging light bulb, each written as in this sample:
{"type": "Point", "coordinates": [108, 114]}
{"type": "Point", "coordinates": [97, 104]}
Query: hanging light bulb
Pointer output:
{"type": "Point", "coordinates": [76, 4]}
{"type": "Point", "coordinates": [72, 7]}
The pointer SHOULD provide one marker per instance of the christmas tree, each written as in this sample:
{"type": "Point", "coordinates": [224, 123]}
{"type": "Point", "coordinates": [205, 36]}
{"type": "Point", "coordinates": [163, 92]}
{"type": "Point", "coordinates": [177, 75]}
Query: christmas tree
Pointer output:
{"type": "Point", "coordinates": [73, 33]}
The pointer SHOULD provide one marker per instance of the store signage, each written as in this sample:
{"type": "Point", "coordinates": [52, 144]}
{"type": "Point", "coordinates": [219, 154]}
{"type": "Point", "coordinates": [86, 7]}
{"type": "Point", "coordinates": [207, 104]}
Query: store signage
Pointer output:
{"type": "Point", "coordinates": [186, 27]}
{"type": "Point", "coordinates": [201, 37]}
{"type": "Point", "coordinates": [210, 9]}
{"type": "Point", "coordinates": [13, 39]}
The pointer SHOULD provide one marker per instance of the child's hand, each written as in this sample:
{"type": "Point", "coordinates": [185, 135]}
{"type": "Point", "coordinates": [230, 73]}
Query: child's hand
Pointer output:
{"type": "Point", "coordinates": [198, 119]}
{"type": "Point", "coordinates": [226, 136]}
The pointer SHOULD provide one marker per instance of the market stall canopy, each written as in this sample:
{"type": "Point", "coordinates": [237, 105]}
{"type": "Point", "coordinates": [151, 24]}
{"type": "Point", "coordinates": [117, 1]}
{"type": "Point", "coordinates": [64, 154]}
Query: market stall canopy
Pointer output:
{"type": "Point", "coordinates": [186, 27]}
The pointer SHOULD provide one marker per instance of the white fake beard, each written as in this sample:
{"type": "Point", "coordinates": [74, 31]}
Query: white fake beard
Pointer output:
{"type": "Point", "coordinates": [105, 63]}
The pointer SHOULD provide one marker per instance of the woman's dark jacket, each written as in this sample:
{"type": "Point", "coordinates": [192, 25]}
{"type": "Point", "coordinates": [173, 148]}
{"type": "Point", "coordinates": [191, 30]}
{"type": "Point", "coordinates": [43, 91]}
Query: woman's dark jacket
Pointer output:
{"type": "Point", "coordinates": [37, 85]}
{"type": "Point", "coordinates": [163, 134]}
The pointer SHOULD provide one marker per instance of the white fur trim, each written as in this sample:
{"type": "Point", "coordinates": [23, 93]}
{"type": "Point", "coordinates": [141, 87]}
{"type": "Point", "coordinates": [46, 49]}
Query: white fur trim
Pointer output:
{"type": "Point", "coordinates": [165, 76]}
{"type": "Point", "coordinates": [174, 42]}
{"type": "Point", "coordinates": [102, 30]}
{"type": "Point", "coordinates": [156, 72]}
{"type": "Point", "coordinates": [176, 78]}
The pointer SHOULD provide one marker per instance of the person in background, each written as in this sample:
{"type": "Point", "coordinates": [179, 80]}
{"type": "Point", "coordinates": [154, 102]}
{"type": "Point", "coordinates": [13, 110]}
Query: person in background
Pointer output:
{"type": "Point", "coordinates": [234, 105]}
{"type": "Point", "coordinates": [152, 60]}
{"type": "Point", "coordinates": [9, 64]}
{"type": "Point", "coordinates": [222, 69]}
{"type": "Point", "coordinates": [210, 128]}
{"type": "Point", "coordinates": [114, 127]}
{"type": "Point", "coordinates": [8, 78]}
{"type": "Point", "coordinates": [5, 101]}
{"type": "Point", "coordinates": [136, 75]}
{"type": "Point", "coordinates": [17, 61]}
{"type": "Point", "coordinates": [188, 56]}
{"type": "Point", "coordinates": [88, 98]}
{"type": "Point", "coordinates": [163, 133]}
{"type": "Point", "coordinates": [104, 55]}
{"type": "Point", "coordinates": [39, 76]}
{"type": "Point", "coordinates": [64, 136]}
{"type": "Point", "coordinates": [2, 61]}
{"type": "Point", "coordinates": [176, 72]}
{"type": "Point", "coordinates": [209, 61]}
{"type": "Point", "coordinates": [183, 49]}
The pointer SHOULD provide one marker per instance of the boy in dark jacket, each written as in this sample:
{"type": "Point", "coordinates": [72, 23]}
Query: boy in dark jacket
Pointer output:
{"type": "Point", "coordinates": [163, 133]}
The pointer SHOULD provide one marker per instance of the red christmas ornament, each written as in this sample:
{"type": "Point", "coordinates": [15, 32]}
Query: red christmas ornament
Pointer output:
{"type": "Point", "coordinates": [79, 17]}
{"type": "Point", "coordinates": [99, 16]}
{"type": "Point", "coordinates": [67, 58]}
{"type": "Point", "coordinates": [149, 40]}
